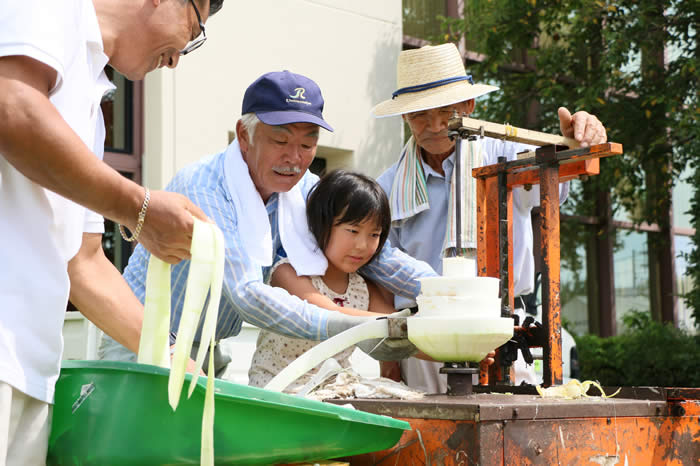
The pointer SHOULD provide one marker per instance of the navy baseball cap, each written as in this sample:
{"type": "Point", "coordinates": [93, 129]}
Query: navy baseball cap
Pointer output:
{"type": "Point", "coordinates": [283, 97]}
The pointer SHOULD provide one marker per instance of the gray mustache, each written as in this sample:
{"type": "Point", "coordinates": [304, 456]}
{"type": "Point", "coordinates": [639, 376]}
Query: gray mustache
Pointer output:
{"type": "Point", "coordinates": [288, 170]}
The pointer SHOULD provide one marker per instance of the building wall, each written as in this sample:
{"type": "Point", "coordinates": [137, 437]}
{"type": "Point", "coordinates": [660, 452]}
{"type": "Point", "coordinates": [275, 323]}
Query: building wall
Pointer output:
{"type": "Point", "coordinates": [350, 50]}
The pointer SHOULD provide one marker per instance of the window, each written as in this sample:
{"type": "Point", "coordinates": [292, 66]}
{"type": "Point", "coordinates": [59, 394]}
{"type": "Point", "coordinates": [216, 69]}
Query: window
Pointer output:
{"type": "Point", "coordinates": [123, 114]}
{"type": "Point", "coordinates": [574, 290]}
{"type": "Point", "coordinates": [117, 107]}
{"type": "Point", "coordinates": [631, 264]}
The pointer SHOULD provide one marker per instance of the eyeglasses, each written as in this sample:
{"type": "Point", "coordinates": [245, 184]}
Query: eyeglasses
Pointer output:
{"type": "Point", "coordinates": [197, 42]}
{"type": "Point", "coordinates": [445, 113]}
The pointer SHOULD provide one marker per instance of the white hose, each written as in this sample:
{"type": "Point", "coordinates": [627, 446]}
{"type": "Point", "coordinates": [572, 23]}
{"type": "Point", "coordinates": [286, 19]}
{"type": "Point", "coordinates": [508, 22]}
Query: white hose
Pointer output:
{"type": "Point", "coordinates": [327, 349]}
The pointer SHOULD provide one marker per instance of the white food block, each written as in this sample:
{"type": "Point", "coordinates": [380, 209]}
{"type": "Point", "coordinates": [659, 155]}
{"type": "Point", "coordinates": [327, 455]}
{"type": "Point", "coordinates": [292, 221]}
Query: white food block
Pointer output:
{"type": "Point", "coordinates": [459, 267]}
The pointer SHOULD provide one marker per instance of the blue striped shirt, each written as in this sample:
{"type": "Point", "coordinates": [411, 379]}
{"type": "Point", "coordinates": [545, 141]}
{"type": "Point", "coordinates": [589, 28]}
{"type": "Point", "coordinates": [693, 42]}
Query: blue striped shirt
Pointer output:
{"type": "Point", "coordinates": [245, 296]}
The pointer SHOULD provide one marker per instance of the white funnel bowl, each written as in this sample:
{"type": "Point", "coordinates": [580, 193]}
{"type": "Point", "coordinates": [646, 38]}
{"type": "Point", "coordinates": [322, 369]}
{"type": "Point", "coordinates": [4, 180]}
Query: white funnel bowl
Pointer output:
{"type": "Point", "coordinates": [454, 339]}
{"type": "Point", "coordinates": [459, 286]}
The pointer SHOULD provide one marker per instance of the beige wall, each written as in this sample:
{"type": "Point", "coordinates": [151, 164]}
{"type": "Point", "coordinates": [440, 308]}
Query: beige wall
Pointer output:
{"type": "Point", "coordinates": [349, 48]}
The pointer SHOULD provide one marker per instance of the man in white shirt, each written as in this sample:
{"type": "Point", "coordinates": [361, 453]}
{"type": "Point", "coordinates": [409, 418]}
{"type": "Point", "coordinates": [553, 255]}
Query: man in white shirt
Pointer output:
{"type": "Point", "coordinates": [432, 85]}
{"type": "Point", "coordinates": [54, 188]}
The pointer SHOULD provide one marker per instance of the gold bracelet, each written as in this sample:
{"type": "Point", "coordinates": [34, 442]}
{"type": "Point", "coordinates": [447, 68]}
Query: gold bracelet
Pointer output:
{"type": "Point", "coordinates": [139, 223]}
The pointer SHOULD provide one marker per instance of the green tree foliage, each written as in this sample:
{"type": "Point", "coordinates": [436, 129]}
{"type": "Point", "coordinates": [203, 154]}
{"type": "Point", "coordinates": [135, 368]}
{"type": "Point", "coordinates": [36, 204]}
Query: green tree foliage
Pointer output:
{"type": "Point", "coordinates": [633, 63]}
{"type": "Point", "coordinates": [647, 353]}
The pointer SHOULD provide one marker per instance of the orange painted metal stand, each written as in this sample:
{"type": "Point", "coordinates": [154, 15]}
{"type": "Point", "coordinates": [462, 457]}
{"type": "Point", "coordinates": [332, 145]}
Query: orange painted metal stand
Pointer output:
{"type": "Point", "coordinates": [550, 166]}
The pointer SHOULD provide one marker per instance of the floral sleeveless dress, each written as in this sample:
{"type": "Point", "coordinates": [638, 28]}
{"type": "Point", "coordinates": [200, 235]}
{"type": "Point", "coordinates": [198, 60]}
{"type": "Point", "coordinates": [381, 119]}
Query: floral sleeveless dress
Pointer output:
{"type": "Point", "coordinates": [274, 352]}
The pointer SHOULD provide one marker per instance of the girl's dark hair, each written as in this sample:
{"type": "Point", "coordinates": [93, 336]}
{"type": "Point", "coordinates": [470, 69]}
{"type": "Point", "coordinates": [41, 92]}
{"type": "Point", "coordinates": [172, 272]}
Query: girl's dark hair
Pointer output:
{"type": "Point", "coordinates": [351, 196]}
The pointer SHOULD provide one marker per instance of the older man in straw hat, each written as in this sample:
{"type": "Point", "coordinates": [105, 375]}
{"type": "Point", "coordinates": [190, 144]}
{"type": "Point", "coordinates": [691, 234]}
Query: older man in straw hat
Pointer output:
{"type": "Point", "coordinates": [432, 85]}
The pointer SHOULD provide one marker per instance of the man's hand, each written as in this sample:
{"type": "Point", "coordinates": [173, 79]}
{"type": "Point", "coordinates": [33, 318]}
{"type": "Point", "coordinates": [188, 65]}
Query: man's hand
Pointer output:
{"type": "Point", "coordinates": [388, 349]}
{"type": "Point", "coordinates": [191, 364]}
{"type": "Point", "coordinates": [167, 229]}
{"type": "Point", "coordinates": [582, 126]}
{"type": "Point", "coordinates": [488, 360]}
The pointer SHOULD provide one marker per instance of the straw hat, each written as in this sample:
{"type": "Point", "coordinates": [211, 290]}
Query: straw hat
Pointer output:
{"type": "Point", "coordinates": [430, 77]}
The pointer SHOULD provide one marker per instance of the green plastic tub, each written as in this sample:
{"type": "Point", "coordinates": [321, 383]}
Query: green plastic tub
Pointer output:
{"type": "Point", "coordinates": [117, 413]}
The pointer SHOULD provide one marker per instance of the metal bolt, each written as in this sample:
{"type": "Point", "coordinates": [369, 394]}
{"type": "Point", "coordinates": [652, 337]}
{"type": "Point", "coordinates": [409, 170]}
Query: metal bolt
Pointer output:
{"type": "Point", "coordinates": [677, 411]}
{"type": "Point", "coordinates": [608, 421]}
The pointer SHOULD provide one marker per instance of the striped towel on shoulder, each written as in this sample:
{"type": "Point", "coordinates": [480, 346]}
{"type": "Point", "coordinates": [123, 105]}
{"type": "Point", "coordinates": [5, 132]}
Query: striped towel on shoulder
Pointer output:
{"type": "Point", "coordinates": [409, 194]}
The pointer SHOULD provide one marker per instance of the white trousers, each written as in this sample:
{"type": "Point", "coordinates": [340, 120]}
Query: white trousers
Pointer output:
{"type": "Point", "coordinates": [25, 423]}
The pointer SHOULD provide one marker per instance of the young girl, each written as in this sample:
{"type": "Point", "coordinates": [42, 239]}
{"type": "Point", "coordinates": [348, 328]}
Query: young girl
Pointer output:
{"type": "Point", "coordinates": [349, 216]}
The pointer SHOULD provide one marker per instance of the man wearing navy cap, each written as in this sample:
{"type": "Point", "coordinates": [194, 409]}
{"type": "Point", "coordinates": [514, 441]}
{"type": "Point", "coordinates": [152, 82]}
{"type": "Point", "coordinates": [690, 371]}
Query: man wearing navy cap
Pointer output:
{"type": "Point", "coordinates": [256, 191]}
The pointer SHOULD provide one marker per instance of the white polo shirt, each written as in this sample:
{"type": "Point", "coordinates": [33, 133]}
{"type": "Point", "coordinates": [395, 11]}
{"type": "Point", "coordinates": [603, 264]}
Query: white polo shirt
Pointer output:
{"type": "Point", "coordinates": [41, 231]}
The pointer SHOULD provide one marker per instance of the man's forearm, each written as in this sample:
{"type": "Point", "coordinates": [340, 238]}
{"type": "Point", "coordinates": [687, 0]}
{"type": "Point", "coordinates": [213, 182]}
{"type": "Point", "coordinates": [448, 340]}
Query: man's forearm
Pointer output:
{"type": "Point", "coordinates": [398, 272]}
{"type": "Point", "coordinates": [276, 310]}
{"type": "Point", "coordinates": [101, 294]}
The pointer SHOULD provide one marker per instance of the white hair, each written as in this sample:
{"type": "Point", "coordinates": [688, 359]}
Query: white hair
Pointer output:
{"type": "Point", "coordinates": [250, 122]}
